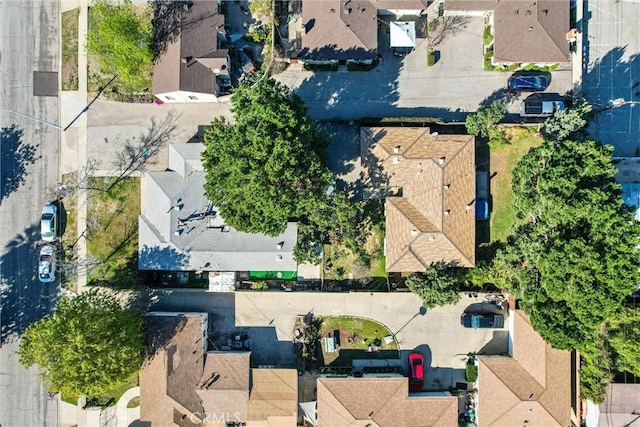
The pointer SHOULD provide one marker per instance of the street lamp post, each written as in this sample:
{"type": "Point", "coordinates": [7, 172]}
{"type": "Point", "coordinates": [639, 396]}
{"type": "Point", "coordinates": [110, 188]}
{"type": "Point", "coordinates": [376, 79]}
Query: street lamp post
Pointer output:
{"type": "Point", "coordinates": [53, 125]}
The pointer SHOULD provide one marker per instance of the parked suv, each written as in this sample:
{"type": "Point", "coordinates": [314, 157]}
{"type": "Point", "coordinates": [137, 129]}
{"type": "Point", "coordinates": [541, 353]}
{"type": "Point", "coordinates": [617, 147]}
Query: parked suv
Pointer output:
{"type": "Point", "coordinates": [531, 83]}
{"type": "Point", "coordinates": [482, 320]}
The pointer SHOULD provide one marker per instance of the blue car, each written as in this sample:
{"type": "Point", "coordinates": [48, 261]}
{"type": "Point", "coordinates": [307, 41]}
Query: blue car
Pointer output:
{"type": "Point", "coordinates": [530, 83]}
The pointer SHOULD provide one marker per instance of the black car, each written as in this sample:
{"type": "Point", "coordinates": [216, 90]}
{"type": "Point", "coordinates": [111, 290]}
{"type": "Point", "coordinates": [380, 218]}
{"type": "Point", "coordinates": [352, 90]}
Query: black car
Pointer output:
{"type": "Point", "coordinates": [521, 83]}
{"type": "Point", "coordinates": [482, 320]}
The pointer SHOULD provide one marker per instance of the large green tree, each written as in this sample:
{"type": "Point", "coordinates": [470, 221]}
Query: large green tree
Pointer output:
{"type": "Point", "coordinates": [438, 285]}
{"type": "Point", "coordinates": [87, 346]}
{"type": "Point", "coordinates": [120, 39]}
{"type": "Point", "coordinates": [268, 167]}
{"type": "Point", "coordinates": [482, 122]}
{"type": "Point", "coordinates": [573, 259]}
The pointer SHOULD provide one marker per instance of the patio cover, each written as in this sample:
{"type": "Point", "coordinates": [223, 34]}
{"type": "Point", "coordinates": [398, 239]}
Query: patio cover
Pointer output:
{"type": "Point", "coordinates": [403, 34]}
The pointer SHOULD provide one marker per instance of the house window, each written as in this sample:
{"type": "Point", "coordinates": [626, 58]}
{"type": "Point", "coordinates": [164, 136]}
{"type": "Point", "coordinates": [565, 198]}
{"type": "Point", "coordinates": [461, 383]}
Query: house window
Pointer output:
{"type": "Point", "coordinates": [193, 97]}
{"type": "Point", "coordinates": [170, 98]}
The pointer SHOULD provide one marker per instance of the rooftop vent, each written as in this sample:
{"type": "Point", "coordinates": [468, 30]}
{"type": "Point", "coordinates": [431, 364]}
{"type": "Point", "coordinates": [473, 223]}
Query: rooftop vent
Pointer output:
{"type": "Point", "coordinates": [447, 212]}
{"type": "Point", "coordinates": [396, 159]}
{"type": "Point", "coordinates": [279, 258]}
{"type": "Point", "coordinates": [414, 232]}
{"type": "Point", "coordinates": [280, 245]}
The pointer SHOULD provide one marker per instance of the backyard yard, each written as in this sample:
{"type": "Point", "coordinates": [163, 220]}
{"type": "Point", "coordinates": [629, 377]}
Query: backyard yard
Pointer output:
{"type": "Point", "coordinates": [112, 232]}
{"type": "Point", "coordinates": [340, 264]}
{"type": "Point", "coordinates": [356, 338]}
{"type": "Point", "coordinates": [503, 161]}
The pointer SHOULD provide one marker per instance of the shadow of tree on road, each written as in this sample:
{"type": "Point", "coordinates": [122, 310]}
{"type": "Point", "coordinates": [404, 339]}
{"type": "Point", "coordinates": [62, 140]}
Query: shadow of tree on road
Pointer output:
{"type": "Point", "coordinates": [619, 126]}
{"type": "Point", "coordinates": [15, 157]}
{"type": "Point", "coordinates": [23, 299]}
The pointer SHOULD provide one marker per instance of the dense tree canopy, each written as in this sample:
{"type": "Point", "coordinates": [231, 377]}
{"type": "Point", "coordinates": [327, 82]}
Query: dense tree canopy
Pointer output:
{"type": "Point", "coordinates": [88, 346]}
{"type": "Point", "coordinates": [120, 39]}
{"type": "Point", "coordinates": [482, 122]}
{"type": "Point", "coordinates": [438, 285]}
{"type": "Point", "coordinates": [569, 123]}
{"type": "Point", "coordinates": [573, 259]}
{"type": "Point", "coordinates": [269, 165]}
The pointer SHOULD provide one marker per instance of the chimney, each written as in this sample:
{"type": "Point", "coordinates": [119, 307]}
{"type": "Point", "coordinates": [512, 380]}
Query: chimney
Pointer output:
{"type": "Point", "coordinates": [396, 149]}
{"type": "Point", "coordinates": [442, 159]}
{"type": "Point", "coordinates": [447, 186]}
{"type": "Point", "coordinates": [447, 212]}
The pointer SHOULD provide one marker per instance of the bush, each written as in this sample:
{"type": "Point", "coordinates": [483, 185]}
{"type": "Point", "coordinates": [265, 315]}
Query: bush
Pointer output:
{"type": "Point", "coordinates": [487, 37]}
{"type": "Point", "coordinates": [498, 138]}
{"type": "Point", "coordinates": [471, 372]}
{"type": "Point", "coordinates": [431, 59]}
{"type": "Point", "coordinates": [482, 122]}
{"type": "Point", "coordinates": [260, 285]}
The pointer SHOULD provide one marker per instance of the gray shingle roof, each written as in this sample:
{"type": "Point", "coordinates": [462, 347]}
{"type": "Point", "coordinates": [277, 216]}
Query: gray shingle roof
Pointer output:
{"type": "Point", "coordinates": [180, 229]}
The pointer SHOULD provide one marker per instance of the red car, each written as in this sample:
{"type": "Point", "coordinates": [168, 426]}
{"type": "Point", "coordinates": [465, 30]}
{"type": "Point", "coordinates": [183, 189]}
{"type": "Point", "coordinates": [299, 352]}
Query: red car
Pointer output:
{"type": "Point", "coordinates": [416, 371]}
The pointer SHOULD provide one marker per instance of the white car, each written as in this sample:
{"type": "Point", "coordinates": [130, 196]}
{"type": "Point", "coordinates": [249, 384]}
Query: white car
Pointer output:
{"type": "Point", "coordinates": [47, 264]}
{"type": "Point", "coordinates": [49, 223]}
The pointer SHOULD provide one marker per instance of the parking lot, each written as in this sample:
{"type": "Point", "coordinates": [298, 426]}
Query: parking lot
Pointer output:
{"type": "Point", "coordinates": [406, 87]}
{"type": "Point", "coordinates": [611, 71]}
{"type": "Point", "coordinates": [436, 333]}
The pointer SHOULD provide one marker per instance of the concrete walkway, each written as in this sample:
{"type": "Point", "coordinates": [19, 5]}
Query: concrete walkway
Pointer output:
{"type": "Point", "coordinates": [73, 156]}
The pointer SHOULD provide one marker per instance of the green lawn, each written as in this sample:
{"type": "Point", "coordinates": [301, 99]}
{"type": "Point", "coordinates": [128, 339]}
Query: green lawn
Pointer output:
{"type": "Point", "coordinates": [503, 161]}
{"type": "Point", "coordinates": [356, 335]}
{"type": "Point", "coordinates": [112, 235]}
{"type": "Point", "coordinates": [116, 392]}
{"type": "Point", "coordinates": [70, 49]}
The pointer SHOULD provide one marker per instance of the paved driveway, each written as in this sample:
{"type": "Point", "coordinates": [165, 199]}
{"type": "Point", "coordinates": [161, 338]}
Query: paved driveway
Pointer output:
{"type": "Point", "coordinates": [612, 71]}
{"type": "Point", "coordinates": [406, 87]}
{"type": "Point", "coordinates": [437, 333]}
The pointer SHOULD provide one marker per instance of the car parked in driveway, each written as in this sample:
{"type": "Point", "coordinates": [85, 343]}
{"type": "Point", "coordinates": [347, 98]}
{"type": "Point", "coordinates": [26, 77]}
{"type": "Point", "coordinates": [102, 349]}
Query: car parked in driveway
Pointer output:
{"type": "Point", "coordinates": [530, 83]}
{"type": "Point", "coordinates": [416, 371]}
{"type": "Point", "coordinates": [49, 223]}
{"type": "Point", "coordinates": [47, 264]}
{"type": "Point", "coordinates": [482, 320]}
{"type": "Point", "coordinates": [542, 105]}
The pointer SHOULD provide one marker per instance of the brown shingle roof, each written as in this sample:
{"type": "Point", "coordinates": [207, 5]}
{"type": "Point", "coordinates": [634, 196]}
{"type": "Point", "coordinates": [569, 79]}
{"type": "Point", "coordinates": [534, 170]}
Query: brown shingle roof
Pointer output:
{"type": "Point", "coordinates": [274, 397]}
{"type": "Point", "coordinates": [187, 63]}
{"type": "Point", "coordinates": [169, 377]}
{"type": "Point", "coordinates": [470, 5]}
{"type": "Point", "coordinates": [433, 219]}
{"type": "Point", "coordinates": [380, 402]}
{"type": "Point", "coordinates": [532, 388]}
{"type": "Point", "coordinates": [344, 29]}
{"type": "Point", "coordinates": [531, 31]}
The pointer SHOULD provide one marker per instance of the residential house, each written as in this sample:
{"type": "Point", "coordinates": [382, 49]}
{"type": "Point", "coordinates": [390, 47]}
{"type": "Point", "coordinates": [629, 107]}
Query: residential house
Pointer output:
{"type": "Point", "coordinates": [535, 386]}
{"type": "Point", "coordinates": [342, 31]}
{"type": "Point", "coordinates": [184, 384]}
{"type": "Point", "coordinates": [381, 402]}
{"type": "Point", "coordinates": [181, 230]}
{"type": "Point", "coordinates": [429, 183]}
{"type": "Point", "coordinates": [525, 31]}
{"type": "Point", "coordinates": [194, 67]}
